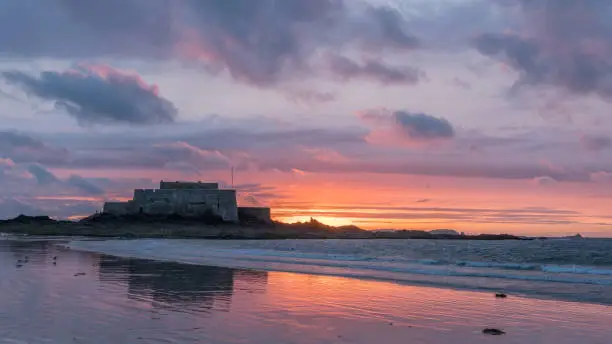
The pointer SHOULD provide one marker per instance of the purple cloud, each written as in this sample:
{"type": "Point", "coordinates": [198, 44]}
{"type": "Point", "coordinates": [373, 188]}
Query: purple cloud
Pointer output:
{"type": "Point", "coordinates": [259, 42]}
{"type": "Point", "coordinates": [42, 175]}
{"type": "Point", "coordinates": [84, 185]}
{"type": "Point", "coordinates": [421, 126]}
{"type": "Point", "coordinates": [347, 69]}
{"type": "Point", "coordinates": [23, 148]}
{"type": "Point", "coordinates": [409, 126]}
{"type": "Point", "coordinates": [98, 95]}
{"type": "Point", "coordinates": [565, 44]}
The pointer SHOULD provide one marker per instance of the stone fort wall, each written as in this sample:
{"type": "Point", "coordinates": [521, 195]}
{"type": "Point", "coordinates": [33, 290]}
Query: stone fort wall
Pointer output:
{"type": "Point", "coordinates": [181, 198]}
{"type": "Point", "coordinates": [186, 202]}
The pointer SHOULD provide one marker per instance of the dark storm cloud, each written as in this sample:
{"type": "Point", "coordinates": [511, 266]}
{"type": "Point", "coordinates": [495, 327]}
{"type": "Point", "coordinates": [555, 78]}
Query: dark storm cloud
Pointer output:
{"type": "Point", "coordinates": [98, 94]}
{"type": "Point", "coordinates": [422, 126]}
{"type": "Point", "coordinates": [567, 44]}
{"type": "Point", "coordinates": [258, 42]}
{"type": "Point", "coordinates": [347, 69]}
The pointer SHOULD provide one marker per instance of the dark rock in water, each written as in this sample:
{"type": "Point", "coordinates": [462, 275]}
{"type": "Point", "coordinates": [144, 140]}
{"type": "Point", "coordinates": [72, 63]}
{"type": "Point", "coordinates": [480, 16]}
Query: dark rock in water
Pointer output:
{"type": "Point", "coordinates": [501, 295]}
{"type": "Point", "coordinates": [55, 258]}
{"type": "Point", "coordinates": [18, 265]}
{"type": "Point", "coordinates": [80, 274]}
{"type": "Point", "coordinates": [493, 331]}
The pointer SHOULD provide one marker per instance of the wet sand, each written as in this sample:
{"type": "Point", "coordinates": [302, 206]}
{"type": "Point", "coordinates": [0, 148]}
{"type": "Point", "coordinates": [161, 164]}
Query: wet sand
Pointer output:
{"type": "Point", "coordinates": [93, 298]}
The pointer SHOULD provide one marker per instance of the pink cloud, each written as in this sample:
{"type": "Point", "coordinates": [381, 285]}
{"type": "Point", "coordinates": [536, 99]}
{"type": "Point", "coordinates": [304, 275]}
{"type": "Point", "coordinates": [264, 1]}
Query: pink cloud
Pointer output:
{"type": "Point", "coordinates": [325, 155]}
{"type": "Point", "coordinates": [402, 127]}
{"type": "Point", "coordinates": [601, 177]}
{"type": "Point", "coordinates": [544, 181]}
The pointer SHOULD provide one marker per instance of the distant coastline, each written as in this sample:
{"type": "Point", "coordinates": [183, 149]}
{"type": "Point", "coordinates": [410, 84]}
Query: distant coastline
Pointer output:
{"type": "Point", "coordinates": [147, 226]}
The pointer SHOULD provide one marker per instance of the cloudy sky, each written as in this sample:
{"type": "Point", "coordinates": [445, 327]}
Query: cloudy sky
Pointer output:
{"type": "Point", "coordinates": [479, 115]}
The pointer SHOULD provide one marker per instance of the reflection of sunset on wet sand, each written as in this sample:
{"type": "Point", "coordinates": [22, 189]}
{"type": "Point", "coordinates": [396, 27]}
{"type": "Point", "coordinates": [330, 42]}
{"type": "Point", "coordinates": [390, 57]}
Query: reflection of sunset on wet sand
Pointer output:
{"type": "Point", "coordinates": [129, 299]}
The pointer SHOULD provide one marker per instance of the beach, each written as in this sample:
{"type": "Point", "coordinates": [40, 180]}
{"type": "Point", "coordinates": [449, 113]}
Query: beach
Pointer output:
{"type": "Point", "coordinates": [57, 291]}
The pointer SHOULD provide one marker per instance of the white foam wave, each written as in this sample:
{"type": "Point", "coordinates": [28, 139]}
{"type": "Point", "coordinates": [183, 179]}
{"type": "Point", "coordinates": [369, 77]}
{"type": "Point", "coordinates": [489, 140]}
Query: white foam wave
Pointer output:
{"type": "Point", "coordinates": [209, 253]}
{"type": "Point", "coordinates": [582, 270]}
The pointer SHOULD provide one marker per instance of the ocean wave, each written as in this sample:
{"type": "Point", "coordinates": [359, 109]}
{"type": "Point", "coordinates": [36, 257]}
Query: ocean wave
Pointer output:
{"type": "Point", "coordinates": [205, 253]}
{"type": "Point", "coordinates": [565, 269]}
{"type": "Point", "coordinates": [497, 265]}
{"type": "Point", "coordinates": [582, 270]}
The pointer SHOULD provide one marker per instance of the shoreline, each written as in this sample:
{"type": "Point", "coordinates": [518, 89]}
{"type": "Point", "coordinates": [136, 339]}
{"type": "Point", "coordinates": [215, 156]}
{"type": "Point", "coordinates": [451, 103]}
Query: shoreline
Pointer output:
{"type": "Point", "coordinates": [66, 243]}
{"type": "Point", "coordinates": [365, 278]}
{"type": "Point", "coordinates": [179, 228]}
{"type": "Point", "coordinates": [282, 257]}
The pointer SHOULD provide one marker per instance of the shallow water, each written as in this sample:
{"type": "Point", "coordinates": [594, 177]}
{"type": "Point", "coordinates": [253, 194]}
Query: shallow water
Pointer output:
{"type": "Point", "coordinates": [573, 270]}
{"type": "Point", "coordinates": [95, 298]}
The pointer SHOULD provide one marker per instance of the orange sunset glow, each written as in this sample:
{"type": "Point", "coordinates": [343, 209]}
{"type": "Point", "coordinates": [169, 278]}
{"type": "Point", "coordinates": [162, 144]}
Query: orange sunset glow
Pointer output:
{"type": "Point", "coordinates": [372, 201]}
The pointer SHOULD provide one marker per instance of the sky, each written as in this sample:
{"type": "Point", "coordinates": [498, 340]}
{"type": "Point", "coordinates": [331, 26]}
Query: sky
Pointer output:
{"type": "Point", "coordinates": [485, 116]}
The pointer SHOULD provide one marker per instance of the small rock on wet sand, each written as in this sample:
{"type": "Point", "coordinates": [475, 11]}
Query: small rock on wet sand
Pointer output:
{"type": "Point", "coordinates": [501, 295]}
{"type": "Point", "coordinates": [493, 331]}
{"type": "Point", "coordinates": [80, 274]}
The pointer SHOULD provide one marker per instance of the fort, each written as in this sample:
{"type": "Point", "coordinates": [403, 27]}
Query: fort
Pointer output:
{"type": "Point", "coordinates": [190, 200]}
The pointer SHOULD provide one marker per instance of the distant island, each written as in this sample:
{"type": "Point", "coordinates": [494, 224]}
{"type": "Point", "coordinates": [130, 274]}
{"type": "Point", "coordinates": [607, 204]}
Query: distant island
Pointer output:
{"type": "Point", "coordinates": [204, 211]}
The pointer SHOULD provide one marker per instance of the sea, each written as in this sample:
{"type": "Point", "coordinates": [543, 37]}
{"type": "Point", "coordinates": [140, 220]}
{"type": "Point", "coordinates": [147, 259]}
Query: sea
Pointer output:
{"type": "Point", "coordinates": [569, 269]}
{"type": "Point", "coordinates": [66, 290]}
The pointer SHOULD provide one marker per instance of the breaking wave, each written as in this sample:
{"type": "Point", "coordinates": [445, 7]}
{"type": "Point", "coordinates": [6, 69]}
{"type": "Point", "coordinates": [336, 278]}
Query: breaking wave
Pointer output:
{"type": "Point", "coordinates": [574, 282]}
